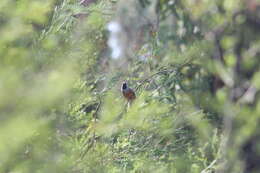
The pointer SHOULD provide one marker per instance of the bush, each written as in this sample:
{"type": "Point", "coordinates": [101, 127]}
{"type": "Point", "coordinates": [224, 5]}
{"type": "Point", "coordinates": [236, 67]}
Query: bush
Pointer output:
{"type": "Point", "coordinates": [194, 66]}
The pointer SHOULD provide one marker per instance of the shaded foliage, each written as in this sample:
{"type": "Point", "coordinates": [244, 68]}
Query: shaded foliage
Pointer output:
{"type": "Point", "coordinates": [194, 66]}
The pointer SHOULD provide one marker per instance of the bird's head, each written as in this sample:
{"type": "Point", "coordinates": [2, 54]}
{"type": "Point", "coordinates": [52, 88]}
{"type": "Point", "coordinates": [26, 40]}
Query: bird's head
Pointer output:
{"type": "Point", "coordinates": [124, 86]}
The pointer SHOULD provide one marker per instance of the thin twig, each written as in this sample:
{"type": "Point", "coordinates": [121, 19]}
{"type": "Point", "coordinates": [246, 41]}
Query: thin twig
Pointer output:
{"type": "Point", "coordinates": [93, 140]}
{"type": "Point", "coordinates": [209, 167]}
{"type": "Point", "coordinates": [164, 71]}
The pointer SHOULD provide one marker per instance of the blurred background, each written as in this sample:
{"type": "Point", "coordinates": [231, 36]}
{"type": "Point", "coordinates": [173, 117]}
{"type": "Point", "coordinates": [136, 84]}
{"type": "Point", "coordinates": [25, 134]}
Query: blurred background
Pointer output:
{"type": "Point", "coordinates": [193, 64]}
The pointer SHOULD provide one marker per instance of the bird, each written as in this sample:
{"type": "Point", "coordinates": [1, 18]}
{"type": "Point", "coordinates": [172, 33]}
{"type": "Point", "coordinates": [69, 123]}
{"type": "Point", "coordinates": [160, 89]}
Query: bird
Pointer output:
{"type": "Point", "coordinates": [127, 92]}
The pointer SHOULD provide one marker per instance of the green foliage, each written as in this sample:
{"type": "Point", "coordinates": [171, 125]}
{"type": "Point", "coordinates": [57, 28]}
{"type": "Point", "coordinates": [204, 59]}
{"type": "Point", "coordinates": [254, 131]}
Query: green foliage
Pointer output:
{"type": "Point", "coordinates": [194, 66]}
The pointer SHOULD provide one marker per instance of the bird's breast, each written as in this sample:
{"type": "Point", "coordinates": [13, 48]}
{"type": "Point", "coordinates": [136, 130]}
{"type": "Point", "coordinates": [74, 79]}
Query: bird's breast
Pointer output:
{"type": "Point", "coordinates": [129, 94]}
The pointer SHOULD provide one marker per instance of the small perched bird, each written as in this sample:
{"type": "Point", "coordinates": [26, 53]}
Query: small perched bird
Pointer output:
{"type": "Point", "coordinates": [127, 92]}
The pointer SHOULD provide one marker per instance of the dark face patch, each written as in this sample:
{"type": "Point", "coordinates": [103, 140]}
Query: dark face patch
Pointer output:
{"type": "Point", "coordinates": [124, 86]}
